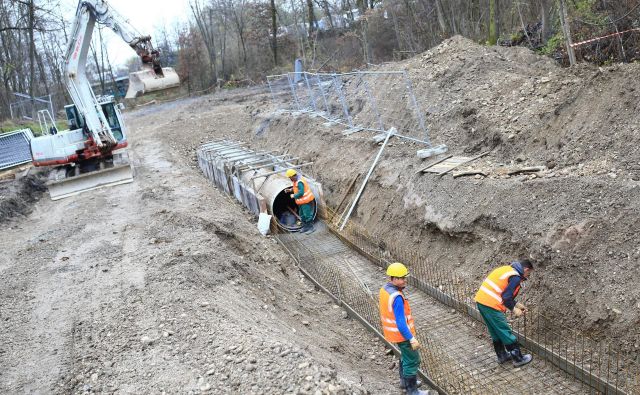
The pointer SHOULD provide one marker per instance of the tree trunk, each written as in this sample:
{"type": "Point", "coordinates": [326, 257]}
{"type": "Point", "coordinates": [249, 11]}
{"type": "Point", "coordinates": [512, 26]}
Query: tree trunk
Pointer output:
{"type": "Point", "coordinates": [492, 39]}
{"type": "Point", "coordinates": [545, 17]}
{"type": "Point", "coordinates": [274, 29]}
{"type": "Point", "coordinates": [441, 19]}
{"type": "Point", "coordinates": [311, 17]}
{"type": "Point", "coordinates": [32, 53]}
{"type": "Point", "coordinates": [212, 53]}
{"type": "Point", "coordinates": [564, 19]}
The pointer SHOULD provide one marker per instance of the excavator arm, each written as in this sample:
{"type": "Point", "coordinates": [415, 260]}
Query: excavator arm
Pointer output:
{"type": "Point", "coordinates": [88, 13]}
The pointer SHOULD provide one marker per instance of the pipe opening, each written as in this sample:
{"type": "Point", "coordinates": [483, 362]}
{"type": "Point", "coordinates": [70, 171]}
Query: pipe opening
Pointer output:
{"type": "Point", "coordinates": [285, 211]}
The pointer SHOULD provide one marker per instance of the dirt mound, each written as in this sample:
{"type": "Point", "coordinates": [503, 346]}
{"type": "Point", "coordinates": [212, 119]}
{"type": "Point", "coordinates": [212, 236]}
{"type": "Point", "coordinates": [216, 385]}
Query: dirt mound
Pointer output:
{"type": "Point", "coordinates": [17, 196]}
{"type": "Point", "coordinates": [524, 106]}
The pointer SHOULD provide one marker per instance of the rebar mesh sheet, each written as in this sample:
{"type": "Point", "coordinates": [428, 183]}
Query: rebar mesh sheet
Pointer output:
{"type": "Point", "coordinates": [457, 353]}
{"type": "Point", "coordinates": [594, 364]}
{"type": "Point", "coordinates": [15, 148]}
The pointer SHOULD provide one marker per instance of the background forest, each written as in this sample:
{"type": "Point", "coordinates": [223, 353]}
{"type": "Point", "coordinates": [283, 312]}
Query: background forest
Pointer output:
{"type": "Point", "coordinates": [228, 43]}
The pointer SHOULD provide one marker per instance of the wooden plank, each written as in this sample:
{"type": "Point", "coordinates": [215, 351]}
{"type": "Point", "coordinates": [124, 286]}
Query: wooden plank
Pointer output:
{"type": "Point", "coordinates": [470, 160]}
{"type": "Point", "coordinates": [347, 192]}
{"type": "Point", "coordinates": [423, 170]}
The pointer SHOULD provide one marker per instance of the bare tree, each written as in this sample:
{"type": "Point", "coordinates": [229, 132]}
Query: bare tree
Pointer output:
{"type": "Point", "coordinates": [274, 31]}
{"type": "Point", "coordinates": [204, 20]}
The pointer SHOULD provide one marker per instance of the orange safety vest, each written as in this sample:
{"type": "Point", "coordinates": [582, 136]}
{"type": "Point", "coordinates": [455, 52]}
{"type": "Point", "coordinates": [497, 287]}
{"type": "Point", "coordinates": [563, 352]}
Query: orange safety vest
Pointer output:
{"type": "Point", "coordinates": [490, 292]}
{"type": "Point", "coordinates": [388, 294]}
{"type": "Point", "coordinates": [307, 196]}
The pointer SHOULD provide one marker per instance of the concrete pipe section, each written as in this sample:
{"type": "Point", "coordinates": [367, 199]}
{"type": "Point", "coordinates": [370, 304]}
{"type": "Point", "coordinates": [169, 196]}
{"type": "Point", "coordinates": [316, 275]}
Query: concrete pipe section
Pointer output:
{"type": "Point", "coordinates": [278, 201]}
{"type": "Point", "coordinates": [257, 180]}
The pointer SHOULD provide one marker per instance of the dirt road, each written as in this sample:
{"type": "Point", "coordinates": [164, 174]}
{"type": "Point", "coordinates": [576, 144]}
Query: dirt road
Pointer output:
{"type": "Point", "coordinates": [165, 285]}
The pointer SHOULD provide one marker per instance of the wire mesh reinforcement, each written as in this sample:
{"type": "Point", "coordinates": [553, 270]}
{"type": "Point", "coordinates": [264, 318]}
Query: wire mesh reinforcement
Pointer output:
{"type": "Point", "coordinates": [15, 148]}
{"type": "Point", "coordinates": [594, 365]}
{"type": "Point", "coordinates": [456, 357]}
{"type": "Point", "coordinates": [361, 101]}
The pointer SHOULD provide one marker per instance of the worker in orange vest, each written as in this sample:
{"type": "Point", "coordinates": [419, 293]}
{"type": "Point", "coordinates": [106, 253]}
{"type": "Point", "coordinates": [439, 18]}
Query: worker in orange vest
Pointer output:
{"type": "Point", "coordinates": [398, 326]}
{"type": "Point", "coordinates": [497, 295]}
{"type": "Point", "coordinates": [303, 197]}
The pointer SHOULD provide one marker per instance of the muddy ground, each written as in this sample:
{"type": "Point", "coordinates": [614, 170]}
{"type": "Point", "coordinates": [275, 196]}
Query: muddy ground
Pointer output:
{"type": "Point", "coordinates": [165, 286]}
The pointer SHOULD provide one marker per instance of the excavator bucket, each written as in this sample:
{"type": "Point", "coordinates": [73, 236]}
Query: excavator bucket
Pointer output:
{"type": "Point", "coordinates": [146, 81]}
{"type": "Point", "coordinates": [64, 182]}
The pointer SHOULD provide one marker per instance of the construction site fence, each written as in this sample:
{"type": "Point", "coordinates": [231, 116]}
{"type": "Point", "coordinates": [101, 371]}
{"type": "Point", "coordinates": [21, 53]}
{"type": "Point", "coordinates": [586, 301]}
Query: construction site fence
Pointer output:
{"type": "Point", "coordinates": [26, 107]}
{"type": "Point", "coordinates": [360, 101]}
{"type": "Point", "coordinates": [15, 148]}
{"type": "Point", "coordinates": [598, 366]}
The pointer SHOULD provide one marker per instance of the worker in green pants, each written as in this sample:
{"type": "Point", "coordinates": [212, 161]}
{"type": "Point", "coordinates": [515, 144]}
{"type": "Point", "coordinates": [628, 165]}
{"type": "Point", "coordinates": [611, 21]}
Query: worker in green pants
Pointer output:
{"type": "Point", "coordinates": [398, 326]}
{"type": "Point", "coordinates": [497, 295]}
{"type": "Point", "coordinates": [303, 197]}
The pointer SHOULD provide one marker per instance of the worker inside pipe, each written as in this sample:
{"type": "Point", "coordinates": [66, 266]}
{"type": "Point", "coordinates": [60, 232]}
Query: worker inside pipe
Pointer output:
{"type": "Point", "coordinates": [295, 207]}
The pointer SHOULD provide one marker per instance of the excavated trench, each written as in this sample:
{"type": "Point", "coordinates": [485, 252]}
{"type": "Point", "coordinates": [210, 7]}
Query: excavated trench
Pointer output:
{"type": "Point", "coordinates": [457, 356]}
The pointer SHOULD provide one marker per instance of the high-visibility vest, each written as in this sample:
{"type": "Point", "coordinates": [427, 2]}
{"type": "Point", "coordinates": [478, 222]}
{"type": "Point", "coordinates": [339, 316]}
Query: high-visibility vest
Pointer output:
{"type": "Point", "coordinates": [307, 196]}
{"type": "Point", "coordinates": [388, 294]}
{"type": "Point", "coordinates": [490, 292]}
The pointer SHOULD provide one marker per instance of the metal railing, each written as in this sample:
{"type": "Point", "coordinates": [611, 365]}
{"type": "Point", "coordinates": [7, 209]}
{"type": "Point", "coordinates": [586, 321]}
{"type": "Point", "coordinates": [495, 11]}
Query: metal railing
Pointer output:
{"type": "Point", "coordinates": [361, 101]}
{"type": "Point", "coordinates": [595, 364]}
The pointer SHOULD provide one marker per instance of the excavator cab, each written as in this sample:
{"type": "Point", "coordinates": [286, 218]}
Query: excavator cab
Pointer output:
{"type": "Point", "coordinates": [111, 113]}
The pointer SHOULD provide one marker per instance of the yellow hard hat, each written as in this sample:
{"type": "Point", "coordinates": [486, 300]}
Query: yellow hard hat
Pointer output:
{"type": "Point", "coordinates": [290, 173]}
{"type": "Point", "coordinates": [397, 269]}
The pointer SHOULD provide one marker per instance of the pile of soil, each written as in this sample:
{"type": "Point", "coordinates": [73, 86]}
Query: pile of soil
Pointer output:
{"type": "Point", "coordinates": [576, 217]}
{"type": "Point", "coordinates": [18, 196]}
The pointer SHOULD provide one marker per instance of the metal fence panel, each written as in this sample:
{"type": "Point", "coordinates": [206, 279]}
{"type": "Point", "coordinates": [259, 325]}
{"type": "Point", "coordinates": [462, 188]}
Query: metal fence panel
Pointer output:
{"type": "Point", "coordinates": [15, 148]}
{"type": "Point", "coordinates": [282, 92]}
{"type": "Point", "coordinates": [370, 101]}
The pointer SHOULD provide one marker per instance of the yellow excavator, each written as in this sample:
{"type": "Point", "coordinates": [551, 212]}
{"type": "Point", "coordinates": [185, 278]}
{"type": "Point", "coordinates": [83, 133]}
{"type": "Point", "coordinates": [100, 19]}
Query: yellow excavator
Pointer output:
{"type": "Point", "coordinates": [92, 152]}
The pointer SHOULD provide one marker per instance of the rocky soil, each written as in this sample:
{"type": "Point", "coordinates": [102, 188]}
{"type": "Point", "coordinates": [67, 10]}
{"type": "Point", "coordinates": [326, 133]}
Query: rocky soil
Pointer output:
{"type": "Point", "coordinates": [165, 286]}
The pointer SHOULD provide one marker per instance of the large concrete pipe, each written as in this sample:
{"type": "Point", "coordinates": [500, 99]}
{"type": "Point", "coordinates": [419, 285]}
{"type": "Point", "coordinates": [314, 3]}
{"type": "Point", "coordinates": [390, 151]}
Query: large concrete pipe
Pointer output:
{"type": "Point", "coordinates": [279, 202]}
{"type": "Point", "coordinates": [259, 188]}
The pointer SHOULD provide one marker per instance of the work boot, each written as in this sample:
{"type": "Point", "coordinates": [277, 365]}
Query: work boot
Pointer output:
{"type": "Point", "coordinates": [308, 228]}
{"type": "Point", "coordinates": [403, 380]}
{"type": "Point", "coordinates": [412, 386]}
{"type": "Point", "coordinates": [403, 383]}
{"type": "Point", "coordinates": [503, 355]}
{"type": "Point", "coordinates": [518, 358]}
